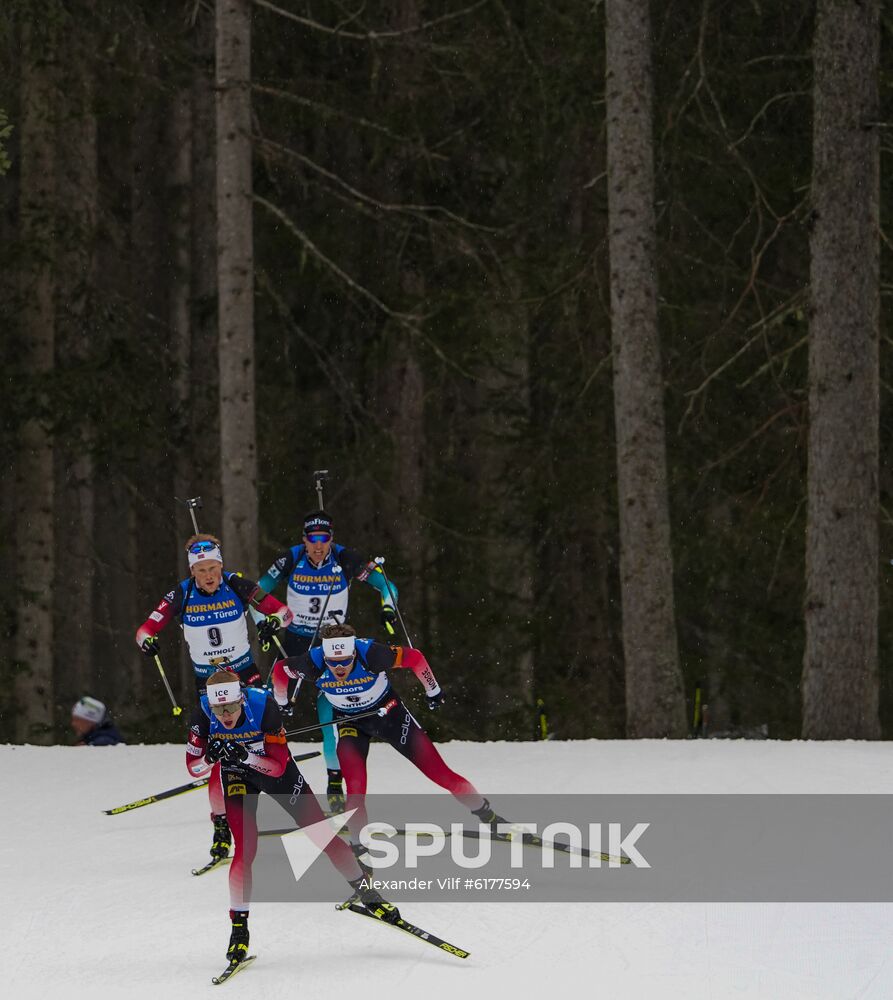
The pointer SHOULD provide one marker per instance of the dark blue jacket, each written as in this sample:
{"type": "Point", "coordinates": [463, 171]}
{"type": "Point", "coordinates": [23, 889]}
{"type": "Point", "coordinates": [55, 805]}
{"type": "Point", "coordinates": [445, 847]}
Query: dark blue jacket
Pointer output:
{"type": "Point", "coordinates": [104, 735]}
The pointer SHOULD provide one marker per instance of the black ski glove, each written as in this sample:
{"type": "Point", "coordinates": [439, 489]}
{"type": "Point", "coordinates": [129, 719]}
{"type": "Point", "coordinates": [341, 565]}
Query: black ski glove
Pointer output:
{"type": "Point", "coordinates": [435, 700]}
{"type": "Point", "coordinates": [150, 646]}
{"type": "Point", "coordinates": [226, 752]}
{"type": "Point", "coordinates": [268, 628]}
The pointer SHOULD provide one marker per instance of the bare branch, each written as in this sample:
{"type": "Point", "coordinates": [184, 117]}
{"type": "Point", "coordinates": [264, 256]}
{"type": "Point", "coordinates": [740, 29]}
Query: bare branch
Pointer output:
{"type": "Point", "coordinates": [772, 100]}
{"type": "Point", "coordinates": [732, 452]}
{"type": "Point", "coordinates": [369, 36]}
{"type": "Point", "coordinates": [343, 388]}
{"type": "Point", "coordinates": [402, 208]}
{"type": "Point", "coordinates": [407, 320]}
{"type": "Point", "coordinates": [327, 109]}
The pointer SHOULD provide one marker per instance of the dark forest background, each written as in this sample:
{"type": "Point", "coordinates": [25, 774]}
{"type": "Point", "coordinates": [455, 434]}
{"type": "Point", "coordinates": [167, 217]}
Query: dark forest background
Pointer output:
{"type": "Point", "coordinates": [431, 325]}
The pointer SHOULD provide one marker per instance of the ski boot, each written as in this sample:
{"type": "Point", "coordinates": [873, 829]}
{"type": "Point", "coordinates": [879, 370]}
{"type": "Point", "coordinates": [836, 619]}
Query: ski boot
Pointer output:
{"type": "Point", "coordinates": [223, 838]}
{"type": "Point", "coordinates": [488, 816]}
{"type": "Point", "coordinates": [373, 904]}
{"type": "Point", "coordinates": [238, 939]}
{"type": "Point", "coordinates": [335, 792]}
{"type": "Point", "coordinates": [359, 850]}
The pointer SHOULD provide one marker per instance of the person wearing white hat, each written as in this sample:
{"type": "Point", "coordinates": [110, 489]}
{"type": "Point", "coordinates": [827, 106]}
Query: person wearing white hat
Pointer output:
{"type": "Point", "coordinates": [211, 606]}
{"type": "Point", "coordinates": [240, 730]}
{"type": "Point", "coordinates": [92, 724]}
{"type": "Point", "coordinates": [352, 674]}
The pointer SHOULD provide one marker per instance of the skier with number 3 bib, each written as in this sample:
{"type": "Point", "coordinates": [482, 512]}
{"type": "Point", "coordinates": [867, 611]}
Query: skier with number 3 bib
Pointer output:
{"type": "Point", "coordinates": [211, 606]}
{"type": "Point", "coordinates": [318, 574]}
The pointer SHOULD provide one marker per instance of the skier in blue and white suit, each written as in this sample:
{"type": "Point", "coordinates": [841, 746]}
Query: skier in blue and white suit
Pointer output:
{"type": "Point", "coordinates": [313, 585]}
{"type": "Point", "coordinates": [211, 605]}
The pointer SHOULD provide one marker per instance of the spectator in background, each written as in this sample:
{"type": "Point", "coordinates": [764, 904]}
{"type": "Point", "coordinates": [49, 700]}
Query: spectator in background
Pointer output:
{"type": "Point", "coordinates": [93, 725]}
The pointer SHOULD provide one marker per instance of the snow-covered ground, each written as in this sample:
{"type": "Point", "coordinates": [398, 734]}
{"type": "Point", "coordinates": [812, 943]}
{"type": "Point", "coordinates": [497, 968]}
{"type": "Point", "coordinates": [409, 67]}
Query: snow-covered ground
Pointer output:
{"type": "Point", "coordinates": [102, 906]}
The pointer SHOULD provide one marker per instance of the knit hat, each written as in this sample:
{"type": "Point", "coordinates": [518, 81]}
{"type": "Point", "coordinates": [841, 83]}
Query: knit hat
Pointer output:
{"type": "Point", "coordinates": [90, 709]}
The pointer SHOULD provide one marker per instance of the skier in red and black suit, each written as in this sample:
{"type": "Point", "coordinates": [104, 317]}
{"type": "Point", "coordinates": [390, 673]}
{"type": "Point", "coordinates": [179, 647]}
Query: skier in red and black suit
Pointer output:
{"type": "Point", "coordinates": [352, 674]}
{"type": "Point", "coordinates": [241, 728]}
{"type": "Point", "coordinates": [211, 606]}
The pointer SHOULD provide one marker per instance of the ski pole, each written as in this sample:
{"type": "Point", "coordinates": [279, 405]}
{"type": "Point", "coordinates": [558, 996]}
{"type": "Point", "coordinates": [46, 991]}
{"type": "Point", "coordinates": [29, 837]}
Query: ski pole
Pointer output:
{"type": "Point", "coordinates": [284, 657]}
{"type": "Point", "coordinates": [190, 786]}
{"type": "Point", "coordinates": [320, 475]}
{"type": "Point", "coordinates": [336, 569]}
{"type": "Point", "coordinates": [379, 562]}
{"type": "Point", "coordinates": [541, 719]}
{"type": "Point", "coordinates": [192, 504]}
{"type": "Point", "coordinates": [334, 722]}
{"type": "Point", "coordinates": [176, 710]}
{"type": "Point", "coordinates": [696, 713]}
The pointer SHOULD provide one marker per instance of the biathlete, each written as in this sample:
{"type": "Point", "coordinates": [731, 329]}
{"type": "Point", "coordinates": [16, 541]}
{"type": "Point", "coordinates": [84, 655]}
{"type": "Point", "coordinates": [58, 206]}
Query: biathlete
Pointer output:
{"type": "Point", "coordinates": [240, 731]}
{"type": "Point", "coordinates": [211, 606]}
{"type": "Point", "coordinates": [313, 586]}
{"type": "Point", "coordinates": [352, 674]}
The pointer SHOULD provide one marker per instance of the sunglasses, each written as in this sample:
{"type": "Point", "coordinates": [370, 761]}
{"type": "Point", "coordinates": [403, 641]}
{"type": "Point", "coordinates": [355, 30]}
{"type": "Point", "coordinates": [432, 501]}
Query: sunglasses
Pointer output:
{"type": "Point", "coordinates": [230, 708]}
{"type": "Point", "coordinates": [319, 537]}
{"type": "Point", "coordinates": [338, 663]}
{"type": "Point", "coordinates": [198, 547]}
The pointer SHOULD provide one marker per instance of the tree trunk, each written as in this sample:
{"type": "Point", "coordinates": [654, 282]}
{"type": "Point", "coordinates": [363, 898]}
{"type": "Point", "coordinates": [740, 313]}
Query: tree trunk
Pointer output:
{"type": "Point", "coordinates": [150, 498]}
{"type": "Point", "coordinates": [203, 439]}
{"type": "Point", "coordinates": [235, 274]}
{"type": "Point", "coordinates": [34, 474]}
{"type": "Point", "coordinates": [654, 692]}
{"type": "Point", "coordinates": [840, 666]}
{"type": "Point", "coordinates": [179, 180]}
{"type": "Point", "coordinates": [78, 188]}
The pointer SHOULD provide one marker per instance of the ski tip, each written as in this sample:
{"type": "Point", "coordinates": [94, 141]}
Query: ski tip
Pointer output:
{"type": "Point", "coordinates": [232, 969]}
{"type": "Point", "coordinates": [451, 949]}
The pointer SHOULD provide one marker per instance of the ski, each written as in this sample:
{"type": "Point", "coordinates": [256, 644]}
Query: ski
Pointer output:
{"type": "Point", "coordinates": [190, 786]}
{"type": "Point", "coordinates": [158, 797]}
{"type": "Point", "coordinates": [529, 839]}
{"type": "Point", "coordinates": [407, 928]}
{"type": "Point", "coordinates": [211, 865]}
{"type": "Point", "coordinates": [236, 965]}
{"type": "Point", "coordinates": [532, 840]}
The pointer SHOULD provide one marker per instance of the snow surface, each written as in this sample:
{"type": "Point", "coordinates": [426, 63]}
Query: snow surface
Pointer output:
{"type": "Point", "coordinates": [102, 906]}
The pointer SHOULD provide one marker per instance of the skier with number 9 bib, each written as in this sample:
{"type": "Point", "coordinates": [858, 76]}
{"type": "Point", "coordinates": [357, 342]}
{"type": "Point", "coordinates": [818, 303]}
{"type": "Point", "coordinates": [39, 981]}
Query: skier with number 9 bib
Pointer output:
{"type": "Point", "coordinates": [318, 574]}
{"type": "Point", "coordinates": [211, 606]}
